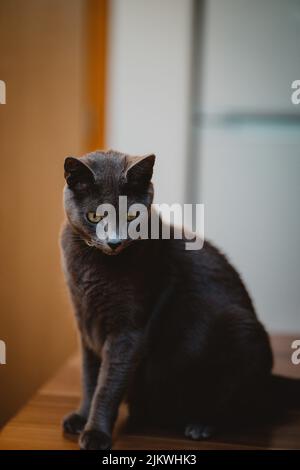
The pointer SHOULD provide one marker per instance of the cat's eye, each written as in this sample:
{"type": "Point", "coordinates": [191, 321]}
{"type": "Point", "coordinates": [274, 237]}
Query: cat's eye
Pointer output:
{"type": "Point", "coordinates": [131, 217]}
{"type": "Point", "coordinates": [93, 217]}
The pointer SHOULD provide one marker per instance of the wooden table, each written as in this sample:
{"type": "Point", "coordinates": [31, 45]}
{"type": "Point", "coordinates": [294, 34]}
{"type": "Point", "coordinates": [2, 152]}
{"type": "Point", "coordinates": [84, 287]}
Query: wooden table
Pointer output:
{"type": "Point", "coordinates": [37, 425]}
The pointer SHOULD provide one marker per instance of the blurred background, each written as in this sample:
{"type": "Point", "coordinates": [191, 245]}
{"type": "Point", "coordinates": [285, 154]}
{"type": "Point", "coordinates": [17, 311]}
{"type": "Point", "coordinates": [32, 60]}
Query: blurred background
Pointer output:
{"type": "Point", "coordinates": [206, 85]}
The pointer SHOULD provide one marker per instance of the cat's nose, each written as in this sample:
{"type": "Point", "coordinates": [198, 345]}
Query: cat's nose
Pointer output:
{"type": "Point", "coordinates": [113, 244]}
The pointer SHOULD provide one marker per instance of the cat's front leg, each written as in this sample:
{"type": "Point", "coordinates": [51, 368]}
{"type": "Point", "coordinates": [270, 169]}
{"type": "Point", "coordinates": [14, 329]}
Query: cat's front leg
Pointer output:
{"type": "Point", "coordinates": [75, 422]}
{"type": "Point", "coordinates": [118, 362]}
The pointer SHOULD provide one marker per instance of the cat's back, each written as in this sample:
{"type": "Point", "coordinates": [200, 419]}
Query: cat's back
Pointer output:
{"type": "Point", "coordinates": [206, 272]}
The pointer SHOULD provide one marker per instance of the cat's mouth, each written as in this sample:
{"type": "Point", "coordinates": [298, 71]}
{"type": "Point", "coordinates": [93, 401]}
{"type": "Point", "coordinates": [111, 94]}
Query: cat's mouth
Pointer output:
{"type": "Point", "coordinates": [112, 250]}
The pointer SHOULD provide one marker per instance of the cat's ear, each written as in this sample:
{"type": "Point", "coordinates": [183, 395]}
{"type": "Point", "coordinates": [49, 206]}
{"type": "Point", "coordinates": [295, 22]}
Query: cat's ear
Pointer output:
{"type": "Point", "coordinates": [77, 174]}
{"type": "Point", "coordinates": [140, 169]}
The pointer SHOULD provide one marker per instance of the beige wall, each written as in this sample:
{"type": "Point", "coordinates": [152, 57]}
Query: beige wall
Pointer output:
{"type": "Point", "coordinates": [41, 54]}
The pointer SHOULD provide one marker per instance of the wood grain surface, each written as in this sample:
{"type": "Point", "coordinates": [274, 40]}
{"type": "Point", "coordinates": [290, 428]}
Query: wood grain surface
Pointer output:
{"type": "Point", "coordinates": [38, 424]}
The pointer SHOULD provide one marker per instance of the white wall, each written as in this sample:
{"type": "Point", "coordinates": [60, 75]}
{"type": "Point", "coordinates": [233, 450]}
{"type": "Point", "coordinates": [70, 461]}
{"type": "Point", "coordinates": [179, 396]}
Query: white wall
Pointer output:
{"type": "Point", "coordinates": [251, 55]}
{"type": "Point", "coordinates": [249, 168]}
{"type": "Point", "coordinates": [250, 187]}
{"type": "Point", "coordinates": [248, 177]}
{"type": "Point", "coordinates": [148, 86]}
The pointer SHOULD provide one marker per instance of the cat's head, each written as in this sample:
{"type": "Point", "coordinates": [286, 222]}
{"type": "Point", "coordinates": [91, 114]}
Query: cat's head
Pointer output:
{"type": "Point", "coordinates": [100, 178]}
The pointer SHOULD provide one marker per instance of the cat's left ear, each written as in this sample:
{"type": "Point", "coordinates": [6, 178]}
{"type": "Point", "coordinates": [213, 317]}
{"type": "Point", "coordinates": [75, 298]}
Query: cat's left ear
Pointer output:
{"type": "Point", "coordinates": [77, 174]}
{"type": "Point", "coordinates": [140, 169]}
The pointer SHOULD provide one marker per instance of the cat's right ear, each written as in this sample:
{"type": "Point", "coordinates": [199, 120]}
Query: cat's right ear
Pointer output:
{"type": "Point", "coordinates": [78, 176]}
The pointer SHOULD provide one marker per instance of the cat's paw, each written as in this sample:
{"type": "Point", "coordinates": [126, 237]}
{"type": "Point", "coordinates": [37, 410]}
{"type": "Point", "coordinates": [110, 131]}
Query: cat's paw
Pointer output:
{"type": "Point", "coordinates": [198, 432]}
{"type": "Point", "coordinates": [94, 440]}
{"type": "Point", "coordinates": [73, 423]}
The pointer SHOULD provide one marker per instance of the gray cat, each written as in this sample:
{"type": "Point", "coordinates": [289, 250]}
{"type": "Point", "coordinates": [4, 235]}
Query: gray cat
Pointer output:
{"type": "Point", "coordinates": [171, 330]}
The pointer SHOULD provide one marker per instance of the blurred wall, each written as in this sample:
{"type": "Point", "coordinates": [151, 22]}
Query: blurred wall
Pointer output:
{"type": "Point", "coordinates": [214, 105]}
{"type": "Point", "coordinates": [248, 140]}
{"type": "Point", "coordinates": [42, 50]}
{"type": "Point", "coordinates": [150, 47]}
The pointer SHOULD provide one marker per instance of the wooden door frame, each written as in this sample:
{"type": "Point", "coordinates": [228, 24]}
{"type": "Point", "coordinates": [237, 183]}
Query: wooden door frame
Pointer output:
{"type": "Point", "coordinates": [97, 14]}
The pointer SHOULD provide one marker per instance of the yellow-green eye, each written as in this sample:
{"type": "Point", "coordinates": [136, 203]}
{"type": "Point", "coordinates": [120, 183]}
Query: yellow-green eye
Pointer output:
{"type": "Point", "coordinates": [93, 217]}
{"type": "Point", "coordinates": [131, 217]}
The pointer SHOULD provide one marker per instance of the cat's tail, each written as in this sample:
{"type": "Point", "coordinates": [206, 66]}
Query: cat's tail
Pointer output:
{"type": "Point", "coordinates": [277, 398]}
{"type": "Point", "coordinates": [285, 392]}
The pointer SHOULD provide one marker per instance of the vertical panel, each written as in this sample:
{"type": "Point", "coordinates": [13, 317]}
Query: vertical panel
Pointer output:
{"type": "Point", "coordinates": [95, 73]}
{"type": "Point", "coordinates": [148, 86]}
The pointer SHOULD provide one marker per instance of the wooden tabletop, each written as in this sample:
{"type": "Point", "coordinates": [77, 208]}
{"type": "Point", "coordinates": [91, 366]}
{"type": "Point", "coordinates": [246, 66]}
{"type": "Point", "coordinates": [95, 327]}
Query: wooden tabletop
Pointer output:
{"type": "Point", "coordinates": [38, 423]}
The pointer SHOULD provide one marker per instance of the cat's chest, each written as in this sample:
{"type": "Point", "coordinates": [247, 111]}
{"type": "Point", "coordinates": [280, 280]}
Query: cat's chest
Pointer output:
{"type": "Point", "coordinates": [100, 283]}
{"type": "Point", "coordinates": [103, 303]}
{"type": "Point", "coordinates": [109, 299]}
